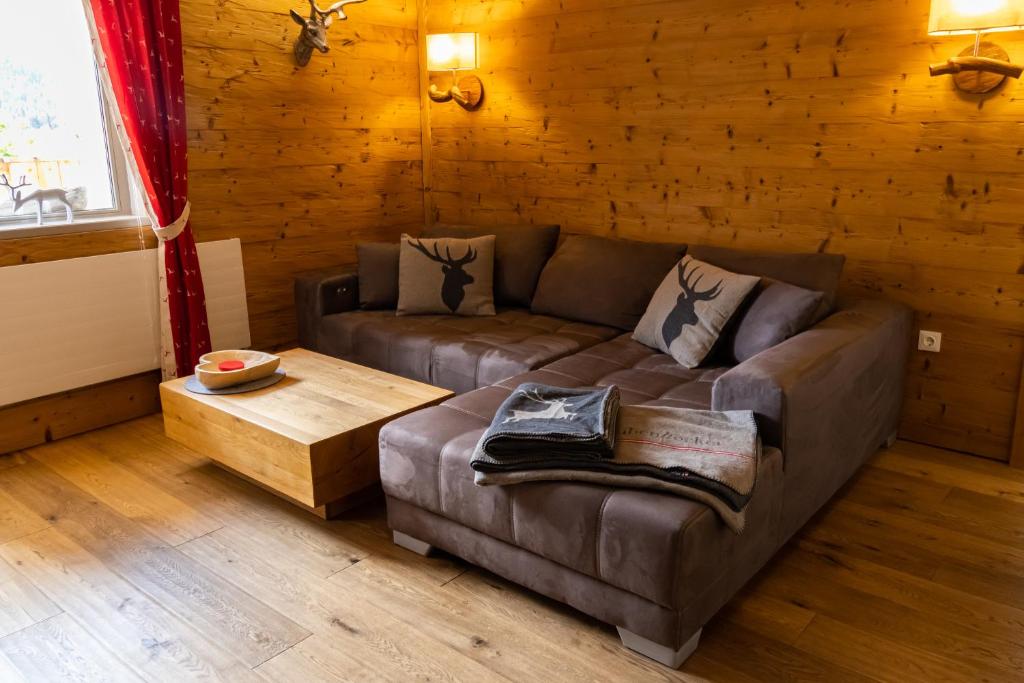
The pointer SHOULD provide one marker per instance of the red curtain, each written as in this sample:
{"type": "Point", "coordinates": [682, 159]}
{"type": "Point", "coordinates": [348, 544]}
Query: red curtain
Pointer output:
{"type": "Point", "coordinates": [141, 43]}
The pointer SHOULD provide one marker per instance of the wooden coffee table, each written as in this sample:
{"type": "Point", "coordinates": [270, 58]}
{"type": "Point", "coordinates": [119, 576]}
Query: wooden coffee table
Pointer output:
{"type": "Point", "coordinates": [311, 438]}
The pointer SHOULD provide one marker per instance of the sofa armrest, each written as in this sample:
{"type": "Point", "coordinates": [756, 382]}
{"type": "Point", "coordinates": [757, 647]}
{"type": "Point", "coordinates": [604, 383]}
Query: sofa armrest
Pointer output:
{"type": "Point", "coordinates": [323, 292]}
{"type": "Point", "coordinates": [829, 397]}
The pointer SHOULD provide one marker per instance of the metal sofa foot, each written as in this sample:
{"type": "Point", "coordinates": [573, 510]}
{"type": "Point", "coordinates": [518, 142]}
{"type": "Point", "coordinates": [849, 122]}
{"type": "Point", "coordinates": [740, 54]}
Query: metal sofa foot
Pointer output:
{"type": "Point", "coordinates": [890, 441]}
{"type": "Point", "coordinates": [660, 653]}
{"type": "Point", "coordinates": [414, 544]}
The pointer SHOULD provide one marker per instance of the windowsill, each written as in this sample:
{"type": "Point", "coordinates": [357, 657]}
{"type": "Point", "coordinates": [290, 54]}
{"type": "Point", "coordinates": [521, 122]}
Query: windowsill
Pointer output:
{"type": "Point", "coordinates": [63, 228]}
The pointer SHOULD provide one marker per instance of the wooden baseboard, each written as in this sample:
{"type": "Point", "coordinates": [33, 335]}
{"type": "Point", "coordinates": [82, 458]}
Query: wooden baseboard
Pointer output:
{"type": "Point", "coordinates": [37, 421]}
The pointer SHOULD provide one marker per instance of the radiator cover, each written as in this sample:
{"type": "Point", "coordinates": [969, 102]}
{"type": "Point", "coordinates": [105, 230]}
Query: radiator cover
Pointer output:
{"type": "Point", "coordinates": [75, 322]}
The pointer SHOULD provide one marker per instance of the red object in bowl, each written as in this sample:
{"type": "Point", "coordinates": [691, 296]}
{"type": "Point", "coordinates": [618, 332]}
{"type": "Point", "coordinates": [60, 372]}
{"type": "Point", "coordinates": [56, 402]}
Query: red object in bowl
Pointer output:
{"type": "Point", "coordinates": [228, 365]}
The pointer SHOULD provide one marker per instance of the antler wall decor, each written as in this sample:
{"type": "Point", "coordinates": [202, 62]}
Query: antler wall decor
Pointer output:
{"type": "Point", "coordinates": [314, 29]}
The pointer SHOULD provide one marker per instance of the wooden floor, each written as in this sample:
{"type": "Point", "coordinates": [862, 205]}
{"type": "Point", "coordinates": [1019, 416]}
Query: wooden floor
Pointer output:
{"type": "Point", "coordinates": [124, 557]}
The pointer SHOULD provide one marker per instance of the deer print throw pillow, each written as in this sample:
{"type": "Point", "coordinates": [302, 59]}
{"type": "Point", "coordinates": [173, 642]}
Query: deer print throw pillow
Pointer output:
{"type": "Point", "coordinates": [691, 308]}
{"type": "Point", "coordinates": [446, 275]}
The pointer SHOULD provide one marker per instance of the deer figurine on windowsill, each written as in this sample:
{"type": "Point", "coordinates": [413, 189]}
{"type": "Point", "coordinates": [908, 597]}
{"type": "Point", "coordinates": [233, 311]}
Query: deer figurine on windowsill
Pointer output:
{"type": "Point", "coordinates": [39, 196]}
{"type": "Point", "coordinates": [314, 29]}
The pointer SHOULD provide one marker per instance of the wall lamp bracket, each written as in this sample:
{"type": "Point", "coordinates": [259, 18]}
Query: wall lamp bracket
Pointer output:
{"type": "Point", "coordinates": [979, 69]}
{"type": "Point", "coordinates": [467, 92]}
{"type": "Point", "coordinates": [983, 67]}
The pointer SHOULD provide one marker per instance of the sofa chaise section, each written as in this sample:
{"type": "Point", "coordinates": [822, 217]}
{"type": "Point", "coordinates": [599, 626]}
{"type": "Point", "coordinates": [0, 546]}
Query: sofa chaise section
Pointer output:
{"type": "Point", "coordinates": [656, 566]}
{"type": "Point", "coordinates": [624, 556]}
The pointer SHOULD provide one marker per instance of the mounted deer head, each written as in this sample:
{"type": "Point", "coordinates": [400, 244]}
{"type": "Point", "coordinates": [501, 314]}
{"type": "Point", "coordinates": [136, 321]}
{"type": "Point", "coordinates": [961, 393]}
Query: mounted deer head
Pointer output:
{"type": "Point", "coordinates": [453, 289]}
{"type": "Point", "coordinates": [684, 312]}
{"type": "Point", "coordinates": [314, 29]}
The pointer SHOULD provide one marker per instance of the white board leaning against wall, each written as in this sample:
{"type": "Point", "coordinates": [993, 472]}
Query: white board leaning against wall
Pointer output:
{"type": "Point", "coordinates": [75, 322]}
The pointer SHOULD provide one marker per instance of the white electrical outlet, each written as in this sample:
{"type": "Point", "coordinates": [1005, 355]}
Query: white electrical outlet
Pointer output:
{"type": "Point", "coordinates": [929, 341]}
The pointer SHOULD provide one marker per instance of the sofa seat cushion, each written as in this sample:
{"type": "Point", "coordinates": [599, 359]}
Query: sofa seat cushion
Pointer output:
{"type": "Point", "coordinates": [667, 549]}
{"type": "Point", "coordinates": [454, 352]}
{"type": "Point", "coordinates": [643, 375]}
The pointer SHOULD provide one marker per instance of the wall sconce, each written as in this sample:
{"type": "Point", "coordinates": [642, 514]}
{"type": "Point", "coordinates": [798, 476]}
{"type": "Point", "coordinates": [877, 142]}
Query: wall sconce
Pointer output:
{"type": "Point", "coordinates": [984, 66]}
{"type": "Point", "coordinates": [455, 52]}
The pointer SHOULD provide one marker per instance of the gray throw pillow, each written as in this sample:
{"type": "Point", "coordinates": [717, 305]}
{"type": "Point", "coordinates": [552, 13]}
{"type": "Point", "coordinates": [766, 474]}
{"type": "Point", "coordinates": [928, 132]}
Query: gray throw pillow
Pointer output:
{"type": "Point", "coordinates": [520, 253]}
{"type": "Point", "coordinates": [446, 275]}
{"type": "Point", "coordinates": [378, 274]}
{"type": "Point", "coordinates": [603, 281]}
{"type": "Point", "coordinates": [690, 309]}
{"type": "Point", "coordinates": [773, 313]}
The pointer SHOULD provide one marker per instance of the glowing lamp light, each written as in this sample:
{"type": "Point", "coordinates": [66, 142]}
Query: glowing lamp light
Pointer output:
{"type": "Point", "coordinates": [984, 66]}
{"type": "Point", "coordinates": [451, 52]}
{"type": "Point", "coordinates": [957, 17]}
{"type": "Point", "coordinates": [455, 52]}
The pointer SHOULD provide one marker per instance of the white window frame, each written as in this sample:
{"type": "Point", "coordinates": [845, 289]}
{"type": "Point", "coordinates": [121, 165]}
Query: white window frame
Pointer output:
{"type": "Point", "coordinates": [128, 209]}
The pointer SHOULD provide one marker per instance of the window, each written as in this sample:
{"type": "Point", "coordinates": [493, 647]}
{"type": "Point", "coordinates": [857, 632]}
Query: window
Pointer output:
{"type": "Point", "coordinates": [54, 128]}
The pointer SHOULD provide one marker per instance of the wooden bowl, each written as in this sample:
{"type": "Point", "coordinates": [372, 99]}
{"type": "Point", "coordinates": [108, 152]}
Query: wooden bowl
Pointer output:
{"type": "Point", "coordinates": [257, 366]}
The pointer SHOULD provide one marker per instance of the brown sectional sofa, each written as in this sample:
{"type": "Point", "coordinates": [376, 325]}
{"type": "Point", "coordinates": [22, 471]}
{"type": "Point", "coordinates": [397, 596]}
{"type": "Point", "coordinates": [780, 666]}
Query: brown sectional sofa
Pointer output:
{"type": "Point", "coordinates": [656, 566]}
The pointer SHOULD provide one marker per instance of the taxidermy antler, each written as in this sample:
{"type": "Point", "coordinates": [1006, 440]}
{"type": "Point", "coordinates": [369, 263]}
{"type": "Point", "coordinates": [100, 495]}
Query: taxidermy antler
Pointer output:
{"type": "Point", "coordinates": [314, 29]}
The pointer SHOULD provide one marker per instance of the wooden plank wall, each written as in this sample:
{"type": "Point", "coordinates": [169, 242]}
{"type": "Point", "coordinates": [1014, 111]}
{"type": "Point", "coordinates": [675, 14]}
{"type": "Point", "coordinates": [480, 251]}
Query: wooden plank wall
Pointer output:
{"type": "Point", "coordinates": [774, 125]}
{"type": "Point", "coordinates": [299, 163]}
{"type": "Point", "coordinates": [16, 252]}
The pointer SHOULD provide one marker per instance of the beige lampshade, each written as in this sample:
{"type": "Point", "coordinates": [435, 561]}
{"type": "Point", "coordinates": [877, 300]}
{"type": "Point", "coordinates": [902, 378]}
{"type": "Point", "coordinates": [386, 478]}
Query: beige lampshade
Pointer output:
{"type": "Point", "coordinates": [451, 51]}
{"type": "Point", "coordinates": [951, 17]}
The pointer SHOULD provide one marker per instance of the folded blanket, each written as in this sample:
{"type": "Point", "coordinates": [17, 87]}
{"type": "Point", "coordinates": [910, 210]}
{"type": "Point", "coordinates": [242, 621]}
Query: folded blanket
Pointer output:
{"type": "Point", "coordinates": [707, 456]}
{"type": "Point", "coordinates": [542, 421]}
{"type": "Point", "coordinates": [719, 446]}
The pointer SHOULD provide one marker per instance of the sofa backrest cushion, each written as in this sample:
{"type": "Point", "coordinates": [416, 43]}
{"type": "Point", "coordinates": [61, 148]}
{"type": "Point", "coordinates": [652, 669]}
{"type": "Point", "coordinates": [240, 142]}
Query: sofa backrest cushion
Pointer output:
{"type": "Point", "coordinates": [817, 272]}
{"type": "Point", "coordinates": [690, 308]}
{"type": "Point", "coordinates": [378, 274]}
{"type": "Point", "coordinates": [520, 253]}
{"type": "Point", "coordinates": [604, 281]}
{"type": "Point", "coordinates": [774, 312]}
{"type": "Point", "coordinates": [446, 275]}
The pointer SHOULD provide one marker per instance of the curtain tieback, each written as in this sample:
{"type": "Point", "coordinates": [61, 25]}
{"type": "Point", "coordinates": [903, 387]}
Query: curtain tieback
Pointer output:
{"type": "Point", "coordinates": [172, 230]}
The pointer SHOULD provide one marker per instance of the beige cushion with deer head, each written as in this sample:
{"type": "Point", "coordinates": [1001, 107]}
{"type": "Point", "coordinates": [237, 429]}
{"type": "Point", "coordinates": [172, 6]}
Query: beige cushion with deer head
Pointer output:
{"type": "Point", "coordinates": [690, 309]}
{"type": "Point", "coordinates": [446, 275]}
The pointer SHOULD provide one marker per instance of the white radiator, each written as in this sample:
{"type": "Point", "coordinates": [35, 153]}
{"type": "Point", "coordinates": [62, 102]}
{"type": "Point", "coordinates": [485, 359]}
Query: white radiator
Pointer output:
{"type": "Point", "coordinates": [71, 323]}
